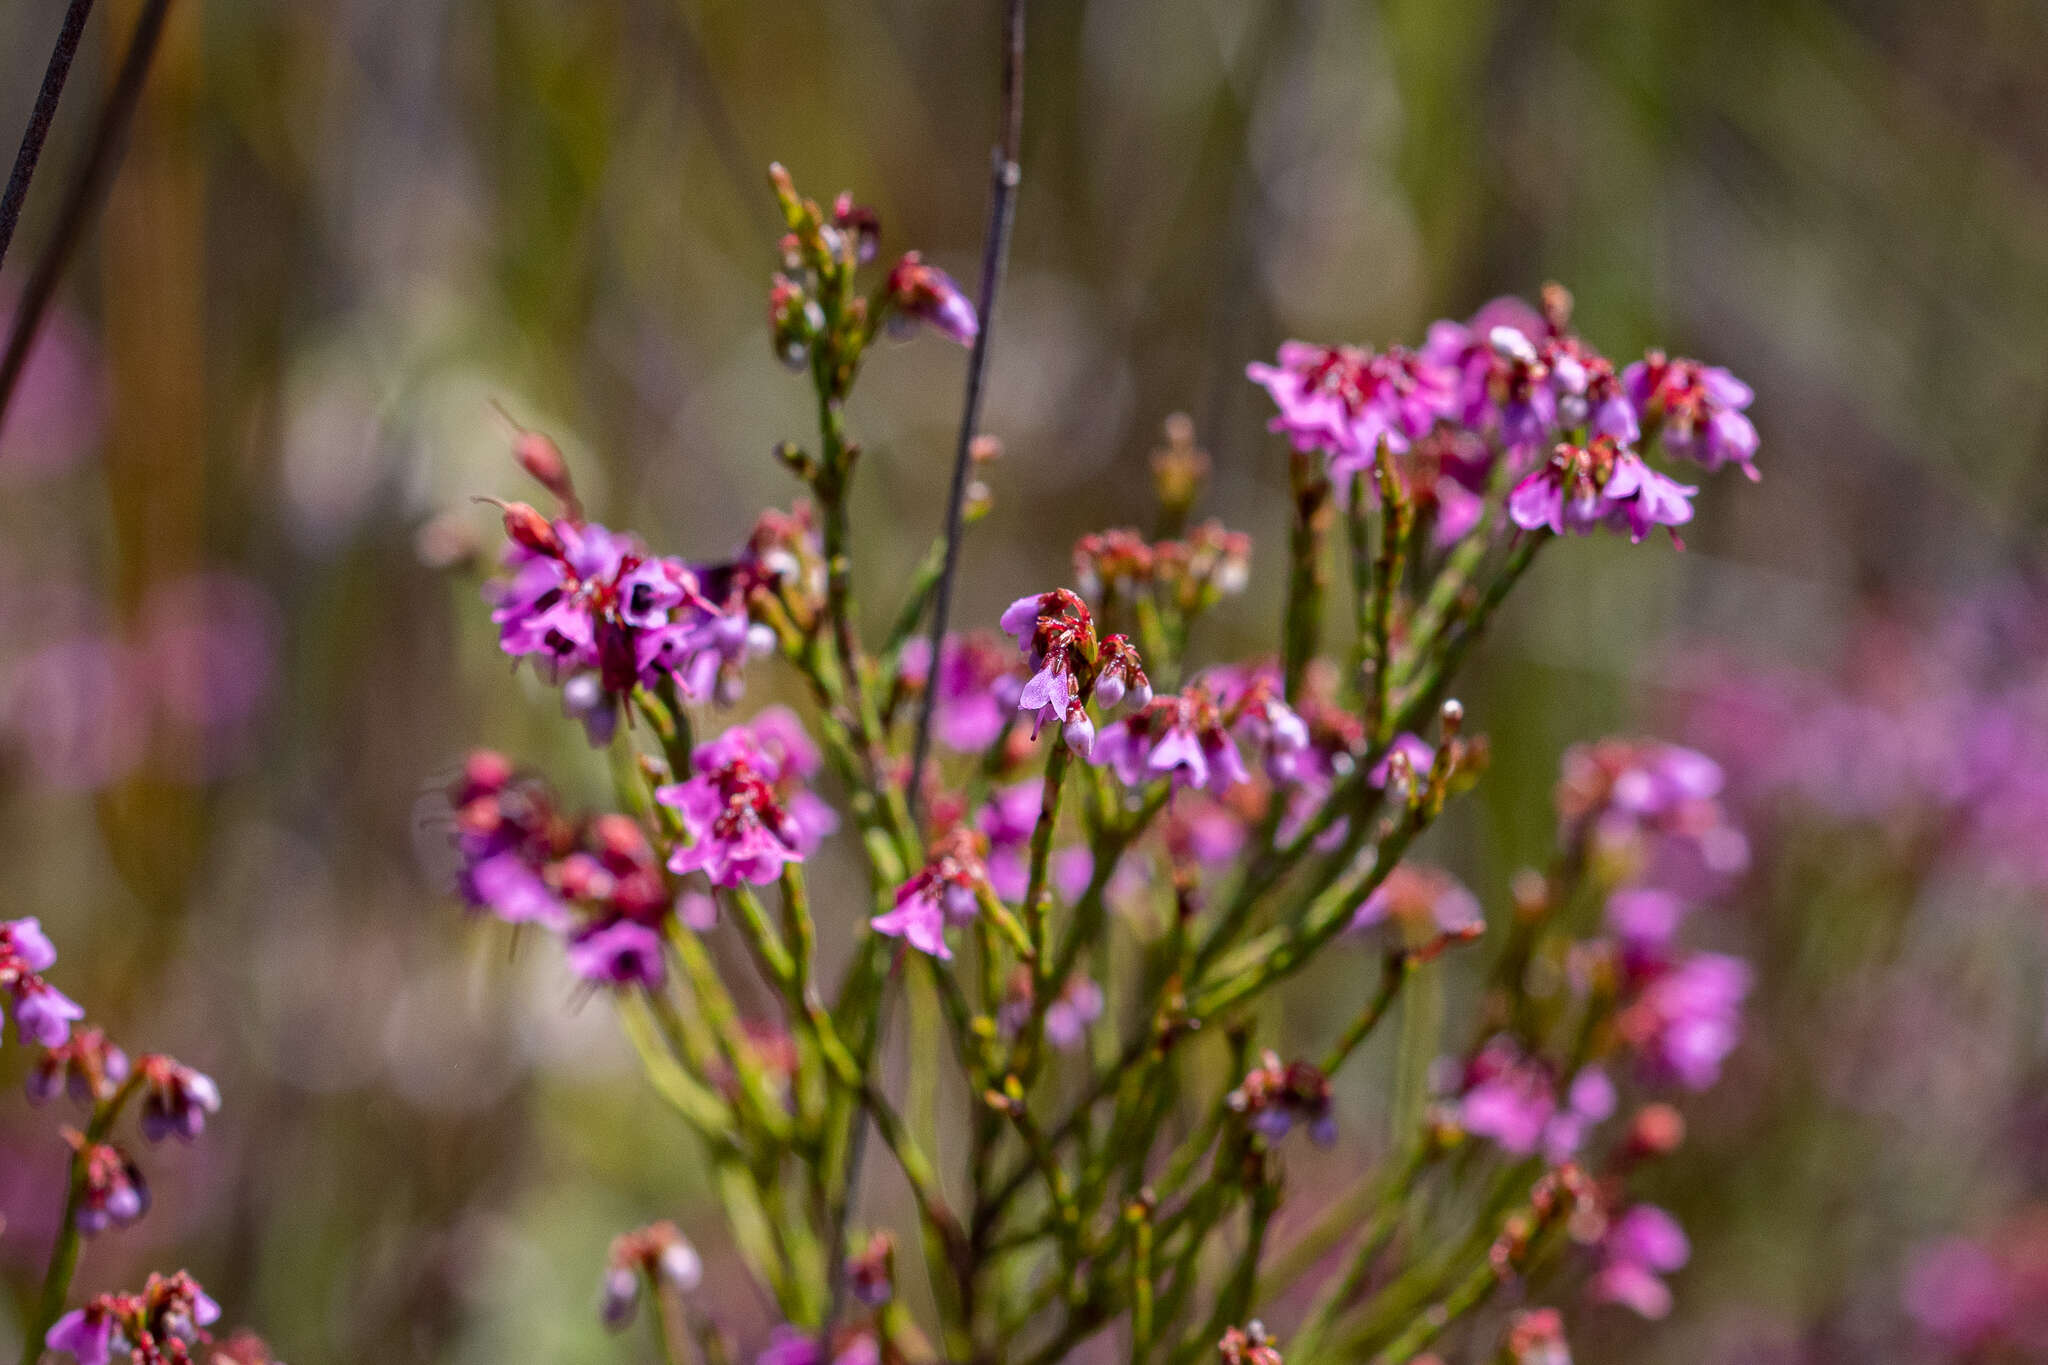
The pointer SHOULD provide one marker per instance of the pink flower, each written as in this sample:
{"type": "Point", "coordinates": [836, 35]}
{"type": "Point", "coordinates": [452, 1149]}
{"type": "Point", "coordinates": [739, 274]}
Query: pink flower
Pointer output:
{"type": "Point", "coordinates": [943, 892]}
{"type": "Point", "coordinates": [622, 953]}
{"type": "Point", "coordinates": [85, 1333]}
{"type": "Point", "coordinates": [1688, 1018]}
{"type": "Point", "coordinates": [1599, 484]}
{"type": "Point", "coordinates": [972, 710]}
{"type": "Point", "coordinates": [1641, 1246]}
{"type": "Point", "coordinates": [1424, 899]}
{"type": "Point", "coordinates": [176, 1099]}
{"type": "Point", "coordinates": [742, 809]}
{"type": "Point", "coordinates": [1697, 410]}
{"type": "Point", "coordinates": [1180, 738]}
{"type": "Point", "coordinates": [1345, 400]}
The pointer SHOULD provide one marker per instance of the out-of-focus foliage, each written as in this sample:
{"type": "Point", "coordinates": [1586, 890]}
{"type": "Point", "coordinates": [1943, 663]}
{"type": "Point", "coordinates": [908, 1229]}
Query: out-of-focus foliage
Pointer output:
{"type": "Point", "coordinates": [234, 665]}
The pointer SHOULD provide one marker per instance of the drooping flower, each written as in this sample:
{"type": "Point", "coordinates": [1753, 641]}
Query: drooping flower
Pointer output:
{"type": "Point", "coordinates": [658, 1250]}
{"type": "Point", "coordinates": [1601, 483]}
{"type": "Point", "coordinates": [924, 293]}
{"type": "Point", "coordinates": [43, 1015]}
{"type": "Point", "coordinates": [176, 1099]}
{"type": "Point", "coordinates": [1057, 635]}
{"type": "Point", "coordinates": [508, 833]}
{"type": "Point", "coordinates": [1181, 738]}
{"type": "Point", "coordinates": [87, 1066]}
{"type": "Point", "coordinates": [112, 1192]}
{"type": "Point", "coordinates": [944, 891]}
{"type": "Point", "coordinates": [1502, 386]}
{"type": "Point", "coordinates": [1512, 1099]}
{"type": "Point", "coordinates": [1272, 1098]}
{"type": "Point", "coordinates": [1641, 1247]}
{"type": "Point", "coordinates": [1697, 410]}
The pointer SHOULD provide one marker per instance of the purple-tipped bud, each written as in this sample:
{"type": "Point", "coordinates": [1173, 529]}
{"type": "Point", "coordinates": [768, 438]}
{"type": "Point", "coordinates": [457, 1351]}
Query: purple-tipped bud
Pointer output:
{"type": "Point", "coordinates": [621, 1298]}
{"type": "Point", "coordinates": [1080, 734]}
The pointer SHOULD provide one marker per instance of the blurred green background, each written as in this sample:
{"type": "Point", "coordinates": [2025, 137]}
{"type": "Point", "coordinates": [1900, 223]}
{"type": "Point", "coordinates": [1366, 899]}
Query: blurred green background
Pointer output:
{"type": "Point", "coordinates": [344, 228]}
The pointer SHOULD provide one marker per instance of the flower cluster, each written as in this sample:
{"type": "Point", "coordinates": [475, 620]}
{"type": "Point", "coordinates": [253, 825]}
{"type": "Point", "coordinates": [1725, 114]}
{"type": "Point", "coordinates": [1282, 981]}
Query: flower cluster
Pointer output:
{"type": "Point", "coordinates": [165, 1324]}
{"type": "Point", "coordinates": [43, 1015]}
{"type": "Point", "coordinates": [744, 809]}
{"type": "Point", "coordinates": [601, 616]}
{"type": "Point", "coordinates": [945, 891]}
{"type": "Point", "coordinates": [1513, 1100]}
{"type": "Point", "coordinates": [1516, 385]}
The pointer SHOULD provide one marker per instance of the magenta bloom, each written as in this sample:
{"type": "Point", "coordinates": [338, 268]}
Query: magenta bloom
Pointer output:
{"type": "Point", "coordinates": [597, 613]}
{"type": "Point", "coordinates": [622, 953]}
{"type": "Point", "coordinates": [1960, 1294]}
{"type": "Point", "coordinates": [1582, 488]}
{"type": "Point", "coordinates": [43, 1015]}
{"type": "Point", "coordinates": [740, 826]}
{"type": "Point", "coordinates": [1057, 635]}
{"type": "Point", "coordinates": [85, 1333]}
{"type": "Point", "coordinates": [976, 689]}
{"type": "Point", "coordinates": [1425, 899]}
{"type": "Point", "coordinates": [1180, 738]}
{"type": "Point", "coordinates": [924, 293]}
{"type": "Point", "coordinates": [507, 833]}
{"type": "Point", "coordinates": [24, 948]}
{"type": "Point", "coordinates": [1345, 400]}
{"type": "Point", "coordinates": [1502, 386]}
{"type": "Point", "coordinates": [944, 891]}
{"type": "Point", "coordinates": [1641, 1247]}
{"type": "Point", "coordinates": [1697, 410]}
{"type": "Point", "coordinates": [1689, 1018]}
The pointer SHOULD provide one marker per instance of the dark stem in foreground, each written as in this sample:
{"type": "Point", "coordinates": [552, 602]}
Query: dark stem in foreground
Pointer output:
{"type": "Point", "coordinates": [39, 119]}
{"type": "Point", "coordinates": [1006, 173]}
{"type": "Point", "coordinates": [84, 196]}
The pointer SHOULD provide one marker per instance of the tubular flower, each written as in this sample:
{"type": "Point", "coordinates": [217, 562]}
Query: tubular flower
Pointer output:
{"type": "Point", "coordinates": [1345, 400]}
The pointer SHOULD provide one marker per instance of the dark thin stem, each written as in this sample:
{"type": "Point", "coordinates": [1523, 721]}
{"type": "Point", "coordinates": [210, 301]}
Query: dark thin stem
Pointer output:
{"type": "Point", "coordinates": [1006, 174]}
{"type": "Point", "coordinates": [86, 192]}
{"type": "Point", "coordinates": [39, 119]}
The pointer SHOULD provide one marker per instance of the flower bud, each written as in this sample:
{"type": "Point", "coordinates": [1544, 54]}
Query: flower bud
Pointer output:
{"type": "Point", "coordinates": [529, 528]}
{"type": "Point", "coordinates": [621, 1298]}
{"type": "Point", "coordinates": [1080, 733]}
{"type": "Point", "coordinates": [539, 456]}
{"type": "Point", "coordinates": [927, 294]}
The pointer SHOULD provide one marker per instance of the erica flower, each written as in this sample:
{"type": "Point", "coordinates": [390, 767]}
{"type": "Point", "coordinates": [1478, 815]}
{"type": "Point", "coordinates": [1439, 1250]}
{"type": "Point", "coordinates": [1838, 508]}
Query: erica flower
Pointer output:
{"type": "Point", "coordinates": [176, 1099]}
{"type": "Point", "coordinates": [508, 833]}
{"type": "Point", "coordinates": [733, 809]}
{"type": "Point", "coordinates": [1512, 1099]}
{"type": "Point", "coordinates": [113, 1193]}
{"type": "Point", "coordinates": [1273, 1098]}
{"type": "Point", "coordinates": [927, 294]}
{"type": "Point", "coordinates": [658, 1251]}
{"type": "Point", "coordinates": [976, 689]}
{"type": "Point", "coordinates": [1688, 1018]}
{"type": "Point", "coordinates": [1067, 1018]}
{"type": "Point", "coordinates": [602, 616]}
{"type": "Point", "coordinates": [1180, 738]}
{"type": "Point", "coordinates": [162, 1325]}
{"type": "Point", "coordinates": [1345, 400]}
{"type": "Point", "coordinates": [43, 1015]}
{"type": "Point", "coordinates": [1057, 635]}
{"type": "Point", "coordinates": [1697, 410]}
{"type": "Point", "coordinates": [1007, 821]}
{"type": "Point", "coordinates": [621, 953]}
{"type": "Point", "coordinates": [87, 1066]}
{"type": "Point", "coordinates": [1640, 1248]}
{"type": "Point", "coordinates": [1425, 902]}
{"type": "Point", "coordinates": [944, 891]}
{"type": "Point", "coordinates": [1502, 386]}
{"type": "Point", "coordinates": [1598, 484]}
{"type": "Point", "coordinates": [1535, 1336]}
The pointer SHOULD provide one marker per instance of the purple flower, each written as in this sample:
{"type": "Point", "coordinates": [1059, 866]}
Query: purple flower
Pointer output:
{"type": "Point", "coordinates": [1697, 410]}
{"type": "Point", "coordinates": [1646, 919]}
{"type": "Point", "coordinates": [1641, 1246]}
{"type": "Point", "coordinates": [1180, 738]}
{"type": "Point", "coordinates": [24, 947]}
{"type": "Point", "coordinates": [1344, 400]}
{"type": "Point", "coordinates": [85, 1333]}
{"type": "Point", "coordinates": [1581, 488]}
{"type": "Point", "coordinates": [1057, 635]}
{"type": "Point", "coordinates": [927, 294]}
{"type": "Point", "coordinates": [113, 1193]}
{"type": "Point", "coordinates": [1413, 748]}
{"type": "Point", "coordinates": [1511, 1101]}
{"type": "Point", "coordinates": [741, 825]}
{"type": "Point", "coordinates": [1688, 1018]}
{"type": "Point", "coordinates": [1502, 387]}
{"type": "Point", "coordinates": [1426, 901]}
{"type": "Point", "coordinates": [622, 953]}
{"type": "Point", "coordinates": [1067, 1019]}
{"type": "Point", "coordinates": [971, 712]}
{"type": "Point", "coordinates": [43, 1015]}
{"type": "Point", "coordinates": [176, 1099]}
{"type": "Point", "coordinates": [944, 891]}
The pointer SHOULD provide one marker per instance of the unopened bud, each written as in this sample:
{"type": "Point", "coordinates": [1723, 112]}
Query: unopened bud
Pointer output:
{"type": "Point", "coordinates": [539, 456]}
{"type": "Point", "coordinates": [1080, 734]}
{"type": "Point", "coordinates": [621, 1298]}
{"type": "Point", "coordinates": [985, 448]}
{"type": "Point", "coordinates": [529, 528]}
{"type": "Point", "coordinates": [1658, 1130]}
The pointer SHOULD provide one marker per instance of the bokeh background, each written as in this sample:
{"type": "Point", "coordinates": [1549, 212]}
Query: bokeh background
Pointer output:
{"type": "Point", "coordinates": [240, 648]}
